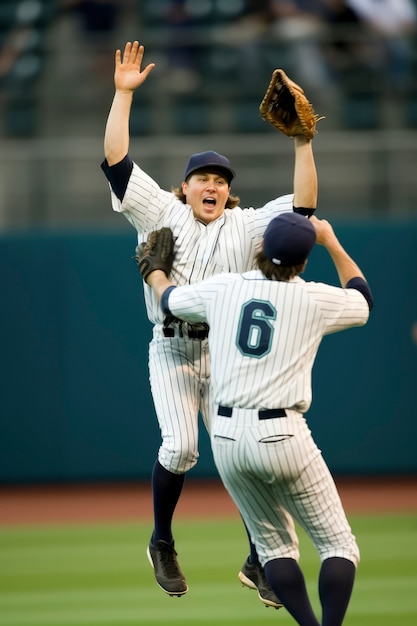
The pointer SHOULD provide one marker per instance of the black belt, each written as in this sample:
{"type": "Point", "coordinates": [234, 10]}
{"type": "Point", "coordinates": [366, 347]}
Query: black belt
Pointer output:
{"type": "Point", "coordinates": [191, 332]}
{"type": "Point", "coordinates": [263, 414]}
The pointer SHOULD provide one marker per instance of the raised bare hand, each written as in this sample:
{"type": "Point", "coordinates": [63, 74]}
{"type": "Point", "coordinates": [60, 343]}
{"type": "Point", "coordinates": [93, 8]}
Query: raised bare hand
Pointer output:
{"type": "Point", "coordinates": [128, 75]}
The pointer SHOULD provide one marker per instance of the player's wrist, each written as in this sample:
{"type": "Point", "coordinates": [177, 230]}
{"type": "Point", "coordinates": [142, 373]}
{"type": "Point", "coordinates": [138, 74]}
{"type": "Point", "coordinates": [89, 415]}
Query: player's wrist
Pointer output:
{"type": "Point", "coordinates": [123, 93]}
{"type": "Point", "coordinates": [154, 276]}
{"type": "Point", "coordinates": [300, 140]}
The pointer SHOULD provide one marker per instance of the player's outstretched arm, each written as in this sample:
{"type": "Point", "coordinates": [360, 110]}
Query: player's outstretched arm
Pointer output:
{"type": "Point", "coordinates": [286, 107]}
{"type": "Point", "coordinates": [305, 174]}
{"type": "Point", "coordinates": [159, 283]}
{"type": "Point", "coordinates": [345, 265]}
{"type": "Point", "coordinates": [128, 76]}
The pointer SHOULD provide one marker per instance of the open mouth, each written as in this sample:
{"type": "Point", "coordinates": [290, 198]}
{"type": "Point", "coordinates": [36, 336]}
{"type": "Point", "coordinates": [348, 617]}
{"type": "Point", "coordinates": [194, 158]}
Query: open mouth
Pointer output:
{"type": "Point", "coordinates": [209, 202]}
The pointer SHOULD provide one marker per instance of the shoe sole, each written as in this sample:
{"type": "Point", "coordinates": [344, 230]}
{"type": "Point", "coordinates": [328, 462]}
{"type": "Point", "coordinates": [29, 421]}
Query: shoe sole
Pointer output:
{"type": "Point", "coordinates": [247, 582]}
{"type": "Point", "coordinates": [173, 594]}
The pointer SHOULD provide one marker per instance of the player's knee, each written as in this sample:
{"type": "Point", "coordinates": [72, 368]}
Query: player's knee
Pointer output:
{"type": "Point", "coordinates": [177, 461]}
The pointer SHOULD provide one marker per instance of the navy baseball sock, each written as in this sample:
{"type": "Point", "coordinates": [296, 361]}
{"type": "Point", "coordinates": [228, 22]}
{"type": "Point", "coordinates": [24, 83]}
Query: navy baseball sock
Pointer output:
{"type": "Point", "coordinates": [336, 580]}
{"type": "Point", "coordinates": [166, 489]}
{"type": "Point", "coordinates": [286, 580]}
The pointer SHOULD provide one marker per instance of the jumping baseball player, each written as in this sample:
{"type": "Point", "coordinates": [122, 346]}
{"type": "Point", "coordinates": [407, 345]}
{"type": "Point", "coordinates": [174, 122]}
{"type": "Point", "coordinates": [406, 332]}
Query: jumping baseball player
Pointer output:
{"type": "Point", "coordinates": [213, 235]}
{"type": "Point", "coordinates": [270, 323]}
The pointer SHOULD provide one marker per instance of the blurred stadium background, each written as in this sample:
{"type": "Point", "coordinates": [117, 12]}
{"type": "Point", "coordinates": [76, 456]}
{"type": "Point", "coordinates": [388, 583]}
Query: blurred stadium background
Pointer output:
{"type": "Point", "coordinates": [214, 59]}
{"type": "Point", "coordinates": [75, 397]}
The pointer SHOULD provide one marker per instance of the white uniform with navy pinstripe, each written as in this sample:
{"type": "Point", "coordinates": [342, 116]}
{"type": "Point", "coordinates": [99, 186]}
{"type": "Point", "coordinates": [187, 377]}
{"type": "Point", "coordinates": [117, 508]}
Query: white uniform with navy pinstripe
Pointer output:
{"type": "Point", "coordinates": [264, 336]}
{"type": "Point", "coordinates": [180, 367]}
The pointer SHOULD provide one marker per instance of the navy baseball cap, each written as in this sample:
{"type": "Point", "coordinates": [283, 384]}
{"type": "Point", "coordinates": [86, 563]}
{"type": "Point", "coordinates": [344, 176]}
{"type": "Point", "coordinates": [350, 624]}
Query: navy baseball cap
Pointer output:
{"type": "Point", "coordinates": [206, 160]}
{"type": "Point", "coordinates": [289, 239]}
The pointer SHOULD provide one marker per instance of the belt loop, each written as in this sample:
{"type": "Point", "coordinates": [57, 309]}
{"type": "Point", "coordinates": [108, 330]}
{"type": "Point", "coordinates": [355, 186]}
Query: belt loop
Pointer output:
{"type": "Point", "coordinates": [263, 414]}
{"type": "Point", "coordinates": [268, 414]}
{"type": "Point", "coordinates": [225, 411]}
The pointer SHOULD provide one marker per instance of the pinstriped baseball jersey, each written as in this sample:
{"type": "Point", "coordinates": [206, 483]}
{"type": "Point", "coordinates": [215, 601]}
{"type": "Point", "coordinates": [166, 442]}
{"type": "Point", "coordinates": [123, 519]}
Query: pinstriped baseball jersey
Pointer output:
{"type": "Point", "coordinates": [225, 245]}
{"type": "Point", "coordinates": [272, 343]}
{"type": "Point", "coordinates": [264, 336]}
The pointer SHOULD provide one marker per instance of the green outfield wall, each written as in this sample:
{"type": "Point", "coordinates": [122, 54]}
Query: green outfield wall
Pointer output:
{"type": "Point", "coordinates": [75, 400]}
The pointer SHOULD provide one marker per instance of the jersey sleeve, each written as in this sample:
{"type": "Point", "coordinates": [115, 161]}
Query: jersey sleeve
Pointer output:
{"type": "Point", "coordinates": [361, 285]}
{"type": "Point", "coordinates": [286, 203]}
{"type": "Point", "coordinates": [164, 300]}
{"type": "Point", "coordinates": [258, 219]}
{"type": "Point", "coordinates": [340, 308]}
{"type": "Point", "coordinates": [143, 202]}
{"type": "Point", "coordinates": [118, 175]}
{"type": "Point", "coordinates": [279, 205]}
{"type": "Point", "coordinates": [185, 303]}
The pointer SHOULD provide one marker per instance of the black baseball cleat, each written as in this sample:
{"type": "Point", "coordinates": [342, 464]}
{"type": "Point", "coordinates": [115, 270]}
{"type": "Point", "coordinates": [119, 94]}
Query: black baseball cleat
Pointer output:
{"type": "Point", "coordinates": [252, 575]}
{"type": "Point", "coordinates": [163, 558]}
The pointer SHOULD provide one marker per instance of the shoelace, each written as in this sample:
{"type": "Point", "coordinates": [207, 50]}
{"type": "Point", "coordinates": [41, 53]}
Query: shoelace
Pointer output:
{"type": "Point", "coordinates": [168, 562]}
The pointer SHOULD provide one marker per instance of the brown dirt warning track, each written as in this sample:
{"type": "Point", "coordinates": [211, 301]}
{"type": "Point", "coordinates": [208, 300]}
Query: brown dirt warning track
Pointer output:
{"type": "Point", "coordinates": [129, 502]}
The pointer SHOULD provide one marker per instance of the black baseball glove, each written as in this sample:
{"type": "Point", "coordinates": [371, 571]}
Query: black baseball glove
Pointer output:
{"type": "Point", "coordinates": [157, 253]}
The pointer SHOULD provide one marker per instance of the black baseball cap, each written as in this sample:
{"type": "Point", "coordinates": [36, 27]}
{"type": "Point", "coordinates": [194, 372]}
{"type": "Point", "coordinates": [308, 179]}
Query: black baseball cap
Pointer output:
{"type": "Point", "coordinates": [205, 160]}
{"type": "Point", "coordinates": [289, 239]}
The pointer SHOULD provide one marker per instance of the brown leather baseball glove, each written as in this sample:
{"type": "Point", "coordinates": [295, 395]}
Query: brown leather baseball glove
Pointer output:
{"type": "Point", "coordinates": [157, 253]}
{"type": "Point", "coordinates": [286, 107]}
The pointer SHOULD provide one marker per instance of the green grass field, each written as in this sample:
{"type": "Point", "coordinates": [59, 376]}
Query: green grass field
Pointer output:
{"type": "Point", "coordinates": [99, 575]}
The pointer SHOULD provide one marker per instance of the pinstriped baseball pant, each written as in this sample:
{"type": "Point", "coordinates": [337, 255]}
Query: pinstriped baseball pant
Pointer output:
{"type": "Point", "coordinates": [276, 474]}
{"type": "Point", "coordinates": [179, 371]}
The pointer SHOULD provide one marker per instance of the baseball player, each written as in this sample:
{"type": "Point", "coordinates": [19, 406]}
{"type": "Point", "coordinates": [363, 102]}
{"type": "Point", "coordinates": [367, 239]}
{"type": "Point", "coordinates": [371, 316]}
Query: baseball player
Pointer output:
{"type": "Point", "coordinates": [213, 235]}
{"type": "Point", "coordinates": [270, 323]}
